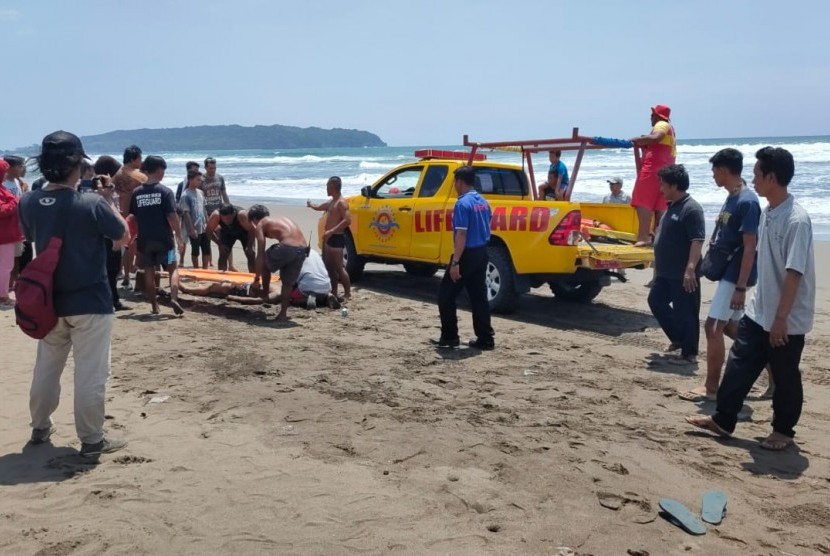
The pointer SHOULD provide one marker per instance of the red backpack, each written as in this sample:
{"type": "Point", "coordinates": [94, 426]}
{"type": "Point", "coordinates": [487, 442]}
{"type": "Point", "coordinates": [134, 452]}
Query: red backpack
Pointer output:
{"type": "Point", "coordinates": [34, 307]}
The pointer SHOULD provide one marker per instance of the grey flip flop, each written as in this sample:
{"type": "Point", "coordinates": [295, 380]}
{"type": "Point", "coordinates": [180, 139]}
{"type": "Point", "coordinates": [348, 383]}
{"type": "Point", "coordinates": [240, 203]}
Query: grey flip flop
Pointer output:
{"type": "Point", "coordinates": [713, 507]}
{"type": "Point", "coordinates": [682, 517]}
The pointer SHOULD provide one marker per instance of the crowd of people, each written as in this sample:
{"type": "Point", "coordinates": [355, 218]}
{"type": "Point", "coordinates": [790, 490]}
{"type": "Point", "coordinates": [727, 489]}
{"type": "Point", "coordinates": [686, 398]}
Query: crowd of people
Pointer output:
{"type": "Point", "coordinates": [119, 219]}
{"type": "Point", "coordinates": [115, 218]}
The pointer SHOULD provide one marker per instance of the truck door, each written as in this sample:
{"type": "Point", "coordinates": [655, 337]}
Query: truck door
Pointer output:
{"type": "Point", "coordinates": [387, 213]}
{"type": "Point", "coordinates": [432, 215]}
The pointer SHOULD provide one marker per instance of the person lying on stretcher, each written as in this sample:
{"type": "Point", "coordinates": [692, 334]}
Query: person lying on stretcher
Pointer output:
{"type": "Point", "coordinates": [313, 288]}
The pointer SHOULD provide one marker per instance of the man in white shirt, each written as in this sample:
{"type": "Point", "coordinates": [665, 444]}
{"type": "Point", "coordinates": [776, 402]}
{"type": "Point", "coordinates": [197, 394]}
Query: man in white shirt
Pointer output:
{"type": "Point", "coordinates": [780, 313]}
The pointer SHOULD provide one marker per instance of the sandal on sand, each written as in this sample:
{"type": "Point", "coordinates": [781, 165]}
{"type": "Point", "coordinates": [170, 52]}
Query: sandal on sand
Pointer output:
{"type": "Point", "coordinates": [707, 423]}
{"type": "Point", "coordinates": [776, 443]}
{"type": "Point", "coordinates": [713, 507]}
{"type": "Point", "coordinates": [692, 396]}
{"type": "Point", "coordinates": [679, 515]}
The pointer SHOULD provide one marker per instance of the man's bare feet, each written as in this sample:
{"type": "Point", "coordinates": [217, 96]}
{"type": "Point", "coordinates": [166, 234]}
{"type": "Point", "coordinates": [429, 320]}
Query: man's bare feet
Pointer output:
{"type": "Point", "coordinates": [776, 442]}
{"type": "Point", "coordinates": [154, 309]}
{"type": "Point", "coordinates": [699, 394]}
{"type": "Point", "coordinates": [176, 307]}
{"type": "Point", "coordinates": [705, 422]}
{"type": "Point", "coordinates": [674, 346]}
{"type": "Point", "coordinates": [642, 244]}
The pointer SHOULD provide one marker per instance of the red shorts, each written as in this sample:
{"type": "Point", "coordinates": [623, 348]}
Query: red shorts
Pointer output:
{"type": "Point", "coordinates": [646, 192]}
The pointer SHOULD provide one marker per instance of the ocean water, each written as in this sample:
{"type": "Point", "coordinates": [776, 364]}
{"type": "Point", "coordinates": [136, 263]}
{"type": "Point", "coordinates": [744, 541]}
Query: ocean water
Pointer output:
{"type": "Point", "coordinates": [293, 176]}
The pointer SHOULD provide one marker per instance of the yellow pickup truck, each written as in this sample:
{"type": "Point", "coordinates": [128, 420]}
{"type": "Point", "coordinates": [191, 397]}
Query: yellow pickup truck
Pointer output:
{"type": "Point", "coordinates": [577, 248]}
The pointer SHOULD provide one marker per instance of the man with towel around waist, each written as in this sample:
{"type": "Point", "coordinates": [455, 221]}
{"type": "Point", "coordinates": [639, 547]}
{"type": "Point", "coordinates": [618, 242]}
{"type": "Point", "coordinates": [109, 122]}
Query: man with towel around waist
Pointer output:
{"type": "Point", "coordinates": [285, 257]}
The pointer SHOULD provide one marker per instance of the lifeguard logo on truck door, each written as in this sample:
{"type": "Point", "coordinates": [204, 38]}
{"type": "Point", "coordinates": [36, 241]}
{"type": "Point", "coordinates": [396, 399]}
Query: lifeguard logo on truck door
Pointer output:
{"type": "Point", "coordinates": [384, 223]}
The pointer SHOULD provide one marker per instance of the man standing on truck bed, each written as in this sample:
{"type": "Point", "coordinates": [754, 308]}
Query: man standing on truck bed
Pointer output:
{"type": "Point", "coordinates": [661, 150]}
{"type": "Point", "coordinates": [468, 265]}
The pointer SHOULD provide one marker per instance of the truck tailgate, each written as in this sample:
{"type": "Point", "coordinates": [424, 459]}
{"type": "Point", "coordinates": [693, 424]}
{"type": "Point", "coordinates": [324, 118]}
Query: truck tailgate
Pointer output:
{"type": "Point", "coordinates": [605, 256]}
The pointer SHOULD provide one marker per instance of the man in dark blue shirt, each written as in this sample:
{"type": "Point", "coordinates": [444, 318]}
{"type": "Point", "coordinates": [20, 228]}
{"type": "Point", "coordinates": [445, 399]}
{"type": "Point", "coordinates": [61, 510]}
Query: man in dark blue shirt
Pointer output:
{"type": "Point", "coordinates": [674, 298]}
{"type": "Point", "coordinates": [736, 231]}
{"type": "Point", "coordinates": [468, 265]}
{"type": "Point", "coordinates": [154, 208]}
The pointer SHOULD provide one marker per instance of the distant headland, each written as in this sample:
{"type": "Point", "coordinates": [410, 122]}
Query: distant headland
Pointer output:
{"type": "Point", "coordinates": [226, 137]}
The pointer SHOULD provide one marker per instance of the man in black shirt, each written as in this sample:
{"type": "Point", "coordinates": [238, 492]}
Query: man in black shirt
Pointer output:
{"type": "Point", "coordinates": [675, 293]}
{"type": "Point", "coordinates": [153, 206]}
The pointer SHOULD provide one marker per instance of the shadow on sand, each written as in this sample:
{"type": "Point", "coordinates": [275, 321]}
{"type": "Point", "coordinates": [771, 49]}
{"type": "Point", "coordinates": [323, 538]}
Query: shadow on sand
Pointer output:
{"type": "Point", "coordinates": [788, 464]}
{"type": "Point", "coordinates": [45, 463]}
{"type": "Point", "coordinates": [593, 318]}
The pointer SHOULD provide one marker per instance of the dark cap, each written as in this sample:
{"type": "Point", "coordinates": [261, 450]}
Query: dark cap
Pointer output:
{"type": "Point", "coordinates": [62, 143]}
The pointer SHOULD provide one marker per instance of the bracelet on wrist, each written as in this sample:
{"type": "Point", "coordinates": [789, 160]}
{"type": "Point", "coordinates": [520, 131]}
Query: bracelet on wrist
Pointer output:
{"type": "Point", "coordinates": [739, 289]}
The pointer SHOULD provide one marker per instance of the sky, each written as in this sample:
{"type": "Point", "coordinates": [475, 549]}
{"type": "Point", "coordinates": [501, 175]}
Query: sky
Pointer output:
{"type": "Point", "coordinates": [417, 73]}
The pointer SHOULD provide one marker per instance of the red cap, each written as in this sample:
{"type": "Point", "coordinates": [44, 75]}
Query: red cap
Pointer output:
{"type": "Point", "coordinates": [662, 111]}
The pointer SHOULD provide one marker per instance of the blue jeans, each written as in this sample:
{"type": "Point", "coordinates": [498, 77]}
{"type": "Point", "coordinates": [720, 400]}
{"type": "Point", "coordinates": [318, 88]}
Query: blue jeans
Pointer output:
{"type": "Point", "coordinates": [678, 312]}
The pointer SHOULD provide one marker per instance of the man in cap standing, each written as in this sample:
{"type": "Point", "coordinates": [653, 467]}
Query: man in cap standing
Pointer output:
{"type": "Point", "coordinates": [660, 150]}
{"type": "Point", "coordinates": [82, 298]}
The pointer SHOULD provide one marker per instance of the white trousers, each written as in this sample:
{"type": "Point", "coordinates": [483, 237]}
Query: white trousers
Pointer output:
{"type": "Point", "coordinates": [89, 337]}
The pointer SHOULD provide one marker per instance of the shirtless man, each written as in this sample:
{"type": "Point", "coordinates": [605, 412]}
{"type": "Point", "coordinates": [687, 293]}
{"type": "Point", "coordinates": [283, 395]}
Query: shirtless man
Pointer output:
{"type": "Point", "coordinates": [225, 227]}
{"type": "Point", "coordinates": [125, 181]}
{"type": "Point", "coordinates": [287, 256]}
{"type": "Point", "coordinates": [338, 219]}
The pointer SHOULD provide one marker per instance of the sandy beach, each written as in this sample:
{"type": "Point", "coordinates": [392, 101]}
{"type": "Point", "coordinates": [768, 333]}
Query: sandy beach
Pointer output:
{"type": "Point", "coordinates": [352, 435]}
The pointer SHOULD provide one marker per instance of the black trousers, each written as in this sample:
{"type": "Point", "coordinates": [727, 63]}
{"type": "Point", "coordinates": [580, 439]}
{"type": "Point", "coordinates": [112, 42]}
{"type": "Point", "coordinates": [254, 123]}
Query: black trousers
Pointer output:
{"type": "Point", "coordinates": [113, 268]}
{"type": "Point", "coordinates": [27, 255]}
{"type": "Point", "coordinates": [678, 312]}
{"type": "Point", "coordinates": [473, 267]}
{"type": "Point", "coordinates": [750, 353]}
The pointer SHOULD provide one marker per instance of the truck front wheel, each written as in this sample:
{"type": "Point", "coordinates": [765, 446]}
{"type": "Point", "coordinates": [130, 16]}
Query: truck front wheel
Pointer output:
{"type": "Point", "coordinates": [353, 262]}
{"type": "Point", "coordinates": [501, 290]}
{"type": "Point", "coordinates": [582, 292]}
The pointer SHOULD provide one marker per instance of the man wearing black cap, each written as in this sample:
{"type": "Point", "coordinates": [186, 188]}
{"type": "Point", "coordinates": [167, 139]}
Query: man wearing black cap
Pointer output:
{"type": "Point", "coordinates": [81, 293]}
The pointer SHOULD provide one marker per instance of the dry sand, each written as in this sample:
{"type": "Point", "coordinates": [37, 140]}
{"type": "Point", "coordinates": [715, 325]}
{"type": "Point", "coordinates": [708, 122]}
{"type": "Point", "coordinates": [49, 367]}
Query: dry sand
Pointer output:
{"type": "Point", "coordinates": [342, 435]}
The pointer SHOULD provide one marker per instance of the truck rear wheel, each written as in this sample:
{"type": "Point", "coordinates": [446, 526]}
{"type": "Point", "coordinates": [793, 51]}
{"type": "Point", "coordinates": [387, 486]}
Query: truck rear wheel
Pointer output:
{"type": "Point", "coordinates": [423, 270]}
{"type": "Point", "coordinates": [582, 292]}
{"type": "Point", "coordinates": [353, 262]}
{"type": "Point", "coordinates": [501, 290]}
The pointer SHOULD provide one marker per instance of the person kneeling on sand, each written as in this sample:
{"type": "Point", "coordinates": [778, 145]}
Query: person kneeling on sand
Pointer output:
{"type": "Point", "coordinates": [286, 256]}
{"type": "Point", "coordinates": [313, 288]}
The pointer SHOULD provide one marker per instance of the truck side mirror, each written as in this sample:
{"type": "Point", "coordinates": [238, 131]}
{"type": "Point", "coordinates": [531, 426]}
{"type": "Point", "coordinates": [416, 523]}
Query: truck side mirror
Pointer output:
{"type": "Point", "coordinates": [366, 191]}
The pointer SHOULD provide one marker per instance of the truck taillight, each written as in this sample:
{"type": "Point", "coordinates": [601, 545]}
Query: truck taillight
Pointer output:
{"type": "Point", "coordinates": [567, 231]}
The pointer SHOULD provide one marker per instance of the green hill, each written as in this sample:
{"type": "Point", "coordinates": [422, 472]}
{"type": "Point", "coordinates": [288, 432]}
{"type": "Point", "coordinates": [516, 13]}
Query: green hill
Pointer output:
{"type": "Point", "coordinates": [228, 137]}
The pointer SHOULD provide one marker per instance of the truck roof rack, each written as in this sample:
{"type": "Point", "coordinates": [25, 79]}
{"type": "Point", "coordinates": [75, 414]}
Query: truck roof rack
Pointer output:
{"type": "Point", "coordinates": [527, 147]}
{"type": "Point", "coordinates": [425, 154]}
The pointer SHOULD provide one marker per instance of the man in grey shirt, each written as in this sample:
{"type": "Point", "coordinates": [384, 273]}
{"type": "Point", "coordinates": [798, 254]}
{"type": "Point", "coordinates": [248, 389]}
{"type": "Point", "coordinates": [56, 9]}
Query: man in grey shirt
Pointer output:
{"type": "Point", "coordinates": [617, 196]}
{"type": "Point", "coordinates": [213, 186]}
{"type": "Point", "coordinates": [780, 313]}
